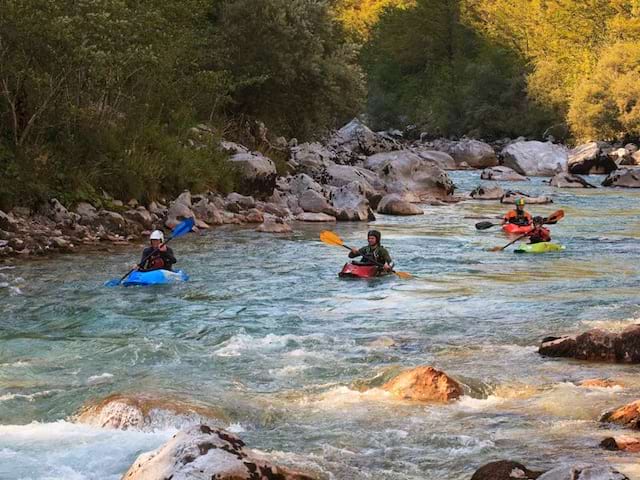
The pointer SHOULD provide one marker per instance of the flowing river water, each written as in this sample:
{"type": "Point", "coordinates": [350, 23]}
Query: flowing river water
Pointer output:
{"type": "Point", "coordinates": [267, 333]}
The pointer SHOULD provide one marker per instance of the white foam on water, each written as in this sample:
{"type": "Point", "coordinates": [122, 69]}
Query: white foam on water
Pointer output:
{"type": "Point", "coordinates": [102, 379]}
{"type": "Point", "coordinates": [63, 450]}
{"type": "Point", "coordinates": [242, 343]}
{"type": "Point", "coordinates": [477, 404]}
{"type": "Point", "coordinates": [288, 371]}
{"type": "Point", "coordinates": [612, 325]}
{"type": "Point", "coordinates": [29, 398]}
{"type": "Point", "coordinates": [340, 397]}
{"type": "Point", "coordinates": [235, 428]}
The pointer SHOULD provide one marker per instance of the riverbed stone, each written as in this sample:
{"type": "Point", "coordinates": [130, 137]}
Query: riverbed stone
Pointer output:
{"type": "Point", "coordinates": [569, 180]}
{"type": "Point", "coordinates": [311, 158]}
{"type": "Point", "coordinates": [533, 158]}
{"type": "Point", "coordinates": [627, 416]}
{"type": "Point", "coordinates": [315, 202]}
{"type": "Point", "coordinates": [274, 226]}
{"type": "Point", "coordinates": [357, 138]}
{"type": "Point", "coordinates": [583, 472]}
{"type": "Point", "coordinates": [245, 202]}
{"type": "Point", "coordinates": [483, 192]}
{"type": "Point", "coordinates": [393, 204]}
{"type": "Point", "coordinates": [596, 345]}
{"type": "Point", "coordinates": [441, 159]}
{"type": "Point", "coordinates": [624, 178]}
{"type": "Point", "coordinates": [505, 470]}
{"type": "Point", "coordinates": [473, 153]}
{"type": "Point", "coordinates": [350, 202]}
{"type": "Point", "coordinates": [205, 452]}
{"type": "Point", "coordinates": [502, 174]}
{"type": "Point", "coordinates": [8, 222]}
{"type": "Point", "coordinates": [140, 215]}
{"type": "Point", "coordinates": [624, 443]}
{"type": "Point", "coordinates": [315, 217]}
{"type": "Point", "coordinates": [510, 198]}
{"type": "Point", "coordinates": [424, 384]}
{"type": "Point", "coordinates": [258, 173]}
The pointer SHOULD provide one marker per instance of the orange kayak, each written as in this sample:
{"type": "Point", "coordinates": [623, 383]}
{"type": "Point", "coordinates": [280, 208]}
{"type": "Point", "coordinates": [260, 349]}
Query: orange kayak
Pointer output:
{"type": "Point", "coordinates": [352, 270]}
{"type": "Point", "coordinates": [513, 229]}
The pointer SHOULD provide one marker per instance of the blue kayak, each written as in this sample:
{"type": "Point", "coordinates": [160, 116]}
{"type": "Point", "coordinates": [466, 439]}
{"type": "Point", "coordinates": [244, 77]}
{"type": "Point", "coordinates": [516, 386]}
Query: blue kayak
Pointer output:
{"type": "Point", "coordinates": [155, 277]}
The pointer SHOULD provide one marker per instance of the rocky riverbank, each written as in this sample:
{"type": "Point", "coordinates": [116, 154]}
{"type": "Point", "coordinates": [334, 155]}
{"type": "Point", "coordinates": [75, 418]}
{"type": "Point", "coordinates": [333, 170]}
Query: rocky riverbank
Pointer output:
{"type": "Point", "coordinates": [354, 174]}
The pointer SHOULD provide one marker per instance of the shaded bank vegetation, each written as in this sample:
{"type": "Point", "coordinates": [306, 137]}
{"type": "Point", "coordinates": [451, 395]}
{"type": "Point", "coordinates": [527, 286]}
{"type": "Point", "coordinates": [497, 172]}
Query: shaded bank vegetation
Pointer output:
{"type": "Point", "coordinates": [103, 94]}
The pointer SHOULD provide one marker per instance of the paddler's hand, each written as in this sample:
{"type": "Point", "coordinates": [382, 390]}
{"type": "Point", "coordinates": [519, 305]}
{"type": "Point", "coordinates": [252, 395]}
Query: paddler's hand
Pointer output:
{"type": "Point", "coordinates": [354, 251]}
{"type": "Point", "coordinates": [387, 267]}
{"type": "Point", "coordinates": [135, 267]}
{"type": "Point", "coordinates": [162, 248]}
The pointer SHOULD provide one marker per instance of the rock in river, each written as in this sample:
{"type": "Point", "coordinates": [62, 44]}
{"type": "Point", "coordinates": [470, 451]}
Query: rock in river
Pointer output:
{"type": "Point", "coordinates": [424, 384]}
{"type": "Point", "coordinates": [504, 470]}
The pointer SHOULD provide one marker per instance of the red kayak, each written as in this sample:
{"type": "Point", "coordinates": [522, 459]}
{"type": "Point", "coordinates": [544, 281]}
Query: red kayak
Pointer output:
{"type": "Point", "coordinates": [352, 270]}
{"type": "Point", "coordinates": [513, 229]}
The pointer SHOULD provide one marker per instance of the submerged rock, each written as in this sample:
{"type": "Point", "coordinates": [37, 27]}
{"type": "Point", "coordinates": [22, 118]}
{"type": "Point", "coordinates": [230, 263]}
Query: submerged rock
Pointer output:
{"type": "Point", "coordinates": [628, 415]}
{"type": "Point", "coordinates": [482, 192]}
{"type": "Point", "coordinates": [203, 452]}
{"type": "Point", "coordinates": [510, 198]}
{"type": "Point", "coordinates": [424, 384]}
{"type": "Point", "coordinates": [589, 159]}
{"type": "Point", "coordinates": [583, 472]}
{"type": "Point", "coordinates": [621, 442]}
{"type": "Point", "coordinates": [569, 180]}
{"type": "Point", "coordinates": [600, 383]}
{"type": "Point", "coordinates": [143, 411]}
{"type": "Point", "coordinates": [274, 226]}
{"type": "Point", "coordinates": [596, 345]}
{"type": "Point", "coordinates": [505, 470]}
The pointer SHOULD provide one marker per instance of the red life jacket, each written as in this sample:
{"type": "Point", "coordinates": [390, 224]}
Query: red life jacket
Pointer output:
{"type": "Point", "coordinates": [539, 234]}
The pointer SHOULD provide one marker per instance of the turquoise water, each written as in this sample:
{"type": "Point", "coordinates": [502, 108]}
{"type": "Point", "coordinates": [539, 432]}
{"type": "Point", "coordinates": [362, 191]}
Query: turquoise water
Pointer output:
{"type": "Point", "coordinates": [266, 332]}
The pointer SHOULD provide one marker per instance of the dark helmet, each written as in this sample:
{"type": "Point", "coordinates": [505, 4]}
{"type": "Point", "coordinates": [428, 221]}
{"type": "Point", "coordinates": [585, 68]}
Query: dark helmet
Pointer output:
{"type": "Point", "coordinates": [538, 220]}
{"type": "Point", "coordinates": [374, 233]}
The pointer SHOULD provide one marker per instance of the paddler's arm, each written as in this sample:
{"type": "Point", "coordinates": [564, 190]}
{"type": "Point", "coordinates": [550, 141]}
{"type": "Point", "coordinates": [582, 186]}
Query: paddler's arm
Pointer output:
{"type": "Point", "coordinates": [355, 253]}
{"type": "Point", "coordinates": [167, 255]}
{"type": "Point", "coordinates": [386, 258]}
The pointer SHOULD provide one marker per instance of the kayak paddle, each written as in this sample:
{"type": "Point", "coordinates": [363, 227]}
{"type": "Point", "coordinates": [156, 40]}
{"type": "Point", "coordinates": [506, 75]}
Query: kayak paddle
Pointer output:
{"type": "Point", "coordinates": [551, 220]}
{"type": "Point", "coordinates": [485, 225]}
{"type": "Point", "coordinates": [183, 227]}
{"type": "Point", "coordinates": [331, 238]}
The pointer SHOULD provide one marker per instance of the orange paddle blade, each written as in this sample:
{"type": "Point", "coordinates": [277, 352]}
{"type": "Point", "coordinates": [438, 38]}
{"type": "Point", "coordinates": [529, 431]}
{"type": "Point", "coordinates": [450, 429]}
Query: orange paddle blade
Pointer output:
{"type": "Point", "coordinates": [555, 216]}
{"type": "Point", "coordinates": [331, 238]}
{"type": "Point", "coordinates": [403, 275]}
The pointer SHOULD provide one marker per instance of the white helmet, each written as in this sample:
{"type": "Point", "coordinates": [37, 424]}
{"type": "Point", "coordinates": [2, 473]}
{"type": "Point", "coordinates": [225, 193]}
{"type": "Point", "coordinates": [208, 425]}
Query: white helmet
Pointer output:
{"type": "Point", "coordinates": [157, 235]}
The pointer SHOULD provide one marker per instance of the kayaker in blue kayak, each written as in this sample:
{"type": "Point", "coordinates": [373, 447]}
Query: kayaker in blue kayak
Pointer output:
{"type": "Point", "coordinates": [158, 256]}
{"type": "Point", "coordinates": [374, 253]}
{"type": "Point", "coordinates": [539, 233]}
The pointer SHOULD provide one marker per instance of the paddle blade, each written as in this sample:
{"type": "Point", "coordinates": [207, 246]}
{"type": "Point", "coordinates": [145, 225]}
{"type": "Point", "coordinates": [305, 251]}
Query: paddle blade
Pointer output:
{"type": "Point", "coordinates": [330, 238]}
{"type": "Point", "coordinates": [495, 249]}
{"type": "Point", "coordinates": [554, 217]}
{"type": "Point", "coordinates": [114, 282]}
{"type": "Point", "coordinates": [484, 225]}
{"type": "Point", "coordinates": [183, 227]}
{"type": "Point", "coordinates": [404, 275]}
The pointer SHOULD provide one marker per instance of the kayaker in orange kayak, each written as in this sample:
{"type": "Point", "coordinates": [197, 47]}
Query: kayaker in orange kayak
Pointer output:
{"type": "Point", "coordinates": [374, 252]}
{"type": "Point", "coordinates": [518, 216]}
{"type": "Point", "coordinates": [539, 233]}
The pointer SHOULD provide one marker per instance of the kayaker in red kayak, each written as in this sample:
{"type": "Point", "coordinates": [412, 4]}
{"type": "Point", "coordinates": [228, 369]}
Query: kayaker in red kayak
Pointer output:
{"type": "Point", "coordinates": [518, 216]}
{"type": "Point", "coordinates": [158, 256]}
{"type": "Point", "coordinates": [374, 252]}
{"type": "Point", "coordinates": [539, 233]}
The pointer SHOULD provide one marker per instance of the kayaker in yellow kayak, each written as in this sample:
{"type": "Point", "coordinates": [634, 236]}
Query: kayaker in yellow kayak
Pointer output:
{"type": "Point", "coordinates": [539, 233]}
{"type": "Point", "coordinates": [518, 216]}
{"type": "Point", "coordinates": [157, 256]}
{"type": "Point", "coordinates": [374, 253]}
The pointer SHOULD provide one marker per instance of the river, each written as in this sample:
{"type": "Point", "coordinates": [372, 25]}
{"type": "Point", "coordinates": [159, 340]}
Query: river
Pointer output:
{"type": "Point", "coordinates": [266, 332]}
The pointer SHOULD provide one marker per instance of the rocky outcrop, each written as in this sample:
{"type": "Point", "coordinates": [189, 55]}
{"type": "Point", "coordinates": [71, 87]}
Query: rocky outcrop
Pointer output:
{"type": "Point", "coordinates": [311, 158]}
{"type": "Point", "coordinates": [505, 470]}
{"type": "Point", "coordinates": [350, 202]}
{"type": "Point", "coordinates": [535, 158]}
{"type": "Point", "coordinates": [624, 178]}
{"type": "Point", "coordinates": [179, 210]}
{"type": "Point", "coordinates": [356, 138]}
{"type": "Point", "coordinates": [393, 204]}
{"type": "Point", "coordinates": [589, 159]}
{"type": "Point", "coordinates": [482, 192]}
{"type": "Point", "coordinates": [200, 452]}
{"type": "Point", "coordinates": [424, 384]}
{"type": "Point", "coordinates": [315, 217]}
{"type": "Point", "coordinates": [502, 174]}
{"type": "Point", "coordinates": [621, 443]}
{"type": "Point", "coordinates": [596, 345]}
{"type": "Point", "coordinates": [271, 225]}
{"type": "Point", "coordinates": [627, 416]}
{"type": "Point", "coordinates": [441, 159]}
{"type": "Point", "coordinates": [144, 412]}
{"type": "Point", "coordinates": [569, 180]}
{"type": "Point", "coordinates": [258, 173]}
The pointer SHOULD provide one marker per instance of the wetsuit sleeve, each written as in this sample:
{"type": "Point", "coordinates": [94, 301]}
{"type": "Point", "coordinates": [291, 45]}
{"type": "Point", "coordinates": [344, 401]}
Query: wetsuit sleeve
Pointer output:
{"type": "Point", "coordinates": [168, 257]}
{"type": "Point", "coordinates": [145, 253]}
{"type": "Point", "coordinates": [386, 258]}
{"type": "Point", "coordinates": [355, 255]}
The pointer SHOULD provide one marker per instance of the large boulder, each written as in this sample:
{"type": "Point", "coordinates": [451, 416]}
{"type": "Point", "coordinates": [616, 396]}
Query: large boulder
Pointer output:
{"type": "Point", "coordinates": [474, 153]}
{"type": "Point", "coordinates": [179, 210]}
{"type": "Point", "coordinates": [502, 174]}
{"type": "Point", "coordinates": [424, 384]}
{"type": "Point", "coordinates": [589, 159]}
{"type": "Point", "coordinates": [271, 225]}
{"type": "Point", "coordinates": [407, 174]}
{"type": "Point", "coordinates": [141, 216]}
{"type": "Point", "coordinates": [8, 222]}
{"type": "Point", "coordinates": [357, 138]}
{"type": "Point", "coordinates": [203, 452]}
{"type": "Point", "coordinates": [315, 202]}
{"type": "Point", "coordinates": [143, 412]}
{"type": "Point", "coordinates": [208, 212]}
{"type": "Point", "coordinates": [505, 470]}
{"type": "Point", "coordinates": [300, 183]}
{"type": "Point", "coordinates": [596, 345]}
{"type": "Point", "coordinates": [341, 175]}
{"type": "Point", "coordinates": [58, 213]}
{"type": "Point", "coordinates": [625, 178]}
{"type": "Point", "coordinates": [535, 158]}
{"type": "Point", "coordinates": [569, 180]}
{"type": "Point", "coordinates": [441, 159]}
{"type": "Point", "coordinates": [258, 173]}
{"type": "Point", "coordinates": [350, 202]}
{"type": "Point", "coordinates": [510, 198]}
{"type": "Point", "coordinates": [393, 204]}
{"type": "Point", "coordinates": [88, 213]}
{"type": "Point", "coordinates": [112, 222]}
{"type": "Point", "coordinates": [627, 416]}
{"type": "Point", "coordinates": [583, 472]}
{"type": "Point", "coordinates": [315, 217]}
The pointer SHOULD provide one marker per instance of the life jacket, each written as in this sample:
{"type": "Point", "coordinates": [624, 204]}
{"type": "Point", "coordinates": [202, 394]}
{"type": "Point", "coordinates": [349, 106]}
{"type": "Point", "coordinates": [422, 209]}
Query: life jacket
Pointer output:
{"type": "Point", "coordinates": [519, 218]}
{"type": "Point", "coordinates": [539, 234]}
{"type": "Point", "coordinates": [155, 262]}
